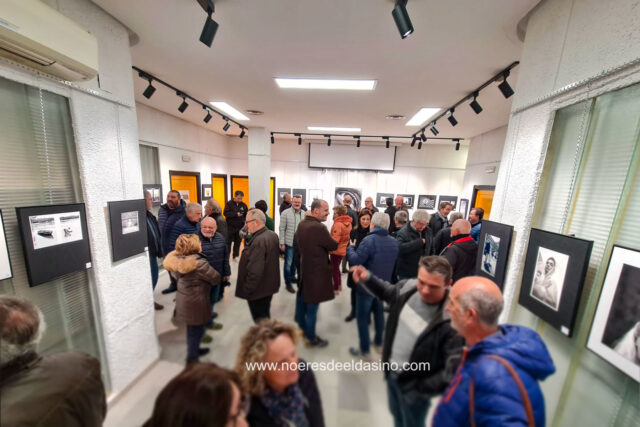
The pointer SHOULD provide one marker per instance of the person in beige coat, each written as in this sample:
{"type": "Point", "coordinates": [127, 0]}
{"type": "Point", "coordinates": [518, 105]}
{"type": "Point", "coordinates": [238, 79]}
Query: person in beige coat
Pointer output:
{"type": "Point", "coordinates": [195, 276]}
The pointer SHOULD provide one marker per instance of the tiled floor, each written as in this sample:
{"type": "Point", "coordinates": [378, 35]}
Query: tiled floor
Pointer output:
{"type": "Point", "coordinates": [350, 399]}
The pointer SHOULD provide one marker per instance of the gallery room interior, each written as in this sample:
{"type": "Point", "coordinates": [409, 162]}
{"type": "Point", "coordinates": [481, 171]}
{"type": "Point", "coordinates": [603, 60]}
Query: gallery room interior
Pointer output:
{"type": "Point", "coordinates": [529, 109]}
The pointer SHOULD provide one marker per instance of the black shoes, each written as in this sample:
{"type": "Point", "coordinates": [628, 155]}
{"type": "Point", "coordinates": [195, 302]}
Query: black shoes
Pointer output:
{"type": "Point", "coordinates": [203, 351]}
{"type": "Point", "coordinates": [291, 289]}
{"type": "Point", "coordinates": [350, 317]}
{"type": "Point", "coordinates": [169, 290]}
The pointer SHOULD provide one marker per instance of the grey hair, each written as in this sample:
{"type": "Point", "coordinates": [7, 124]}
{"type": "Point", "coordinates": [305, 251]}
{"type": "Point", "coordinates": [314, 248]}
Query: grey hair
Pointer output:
{"type": "Point", "coordinates": [487, 306]}
{"type": "Point", "coordinates": [194, 207]}
{"type": "Point", "coordinates": [380, 220]}
{"type": "Point", "coordinates": [402, 217]}
{"type": "Point", "coordinates": [147, 193]}
{"type": "Point", "coordinates": [22, 326]}
{"type": "Point", "coordinates": [297, 196]}
{"type": "Point", "coordinates": [420, 216]}
{"type": "Point", "coordinates": [258, 215]}
{"type": "Point", "coordinates": [455, 216]}
{"type": "Point", "coordinates": [214, 206]}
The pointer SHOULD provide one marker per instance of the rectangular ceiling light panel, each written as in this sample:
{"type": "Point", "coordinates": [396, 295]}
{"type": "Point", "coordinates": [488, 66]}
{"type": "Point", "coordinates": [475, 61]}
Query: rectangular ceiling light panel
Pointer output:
{"type": "Point", "coordinates": [326, 84]}
{"type": "Point", "coordinates": [422, 116]}
{"type": "Point", "coordinates": [333, 129]}
{"type": "Point", "coordinates": [223, 106]}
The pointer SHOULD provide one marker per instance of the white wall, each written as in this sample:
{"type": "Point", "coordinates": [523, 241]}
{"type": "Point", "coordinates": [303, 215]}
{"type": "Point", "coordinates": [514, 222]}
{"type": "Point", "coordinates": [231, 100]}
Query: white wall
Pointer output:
{"type": "Point", "coordinates": [106, 140]}
{"type": "Point", "coordinates": [485, 151]}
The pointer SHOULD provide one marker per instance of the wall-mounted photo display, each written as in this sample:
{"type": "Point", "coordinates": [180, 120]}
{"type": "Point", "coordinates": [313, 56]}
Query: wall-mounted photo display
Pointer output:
{"type": "Point", "coordinates": [451, 199]}
{"type": "Point", "coordinates": [427, 201]}
{"type": "Point", "coordinates": [615, 331]}
{"type": "Point", "coordinates": [381, 199]}
{"type": "Point", "coordinates": [464, 206]}
{"type": "Point", "coordinates": [408, 199]}
{"type": "Point", "coordinates": [356, 196]}
{"type": "Point", "coordinates": [315, 193]}
{"type": "Point", "coordinates": [207, 192]}
{"type": "Point", "coordinates": [128, 225]}
{"type": "Point", "coordinates": [5, 261]}
{"type": "Point", "coordinates": [55, 240]}
{"type": "Point", "coordinates": [302, 192]}
{"type": "Point", "coordinates": [281, 193]}
{"type": "Point", "coordinates": [493, 252]}
{"type": "Point", "coordinates": [156, 193]}
{"type": "Point", "coordinates": [554, 273]}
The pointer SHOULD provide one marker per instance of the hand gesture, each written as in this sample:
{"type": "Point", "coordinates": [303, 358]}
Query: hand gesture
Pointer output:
{"type": "Point", "coordinates": [352, 242]}
{"type": "Point", "coordinates": [359, 273]}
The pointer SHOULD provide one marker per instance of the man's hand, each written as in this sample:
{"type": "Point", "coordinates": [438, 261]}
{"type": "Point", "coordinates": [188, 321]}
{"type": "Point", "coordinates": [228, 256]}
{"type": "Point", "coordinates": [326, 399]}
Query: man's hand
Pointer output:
{"type": "Point", "coordinates": [282, 248]}
{"type": "Point", "coordinates": [359, 273]}
{"type": "Point", "coordinates": [352, 242]}
{"type": "Point", "coordinates": [424, 241]}
{"type": "Point", "coordinates": [226, 278]}
{"type": "Point", "coordinates": [239, 213]}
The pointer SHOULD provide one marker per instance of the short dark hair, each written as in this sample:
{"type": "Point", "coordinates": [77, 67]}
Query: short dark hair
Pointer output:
{"type": "Point", "coordinates": [177, 192]}
{"type": "Point", "coordinates": [479, 212]}
{"type": "Point", "coordinates": [389, 201]}
{"type": "Point", "coordinates": [238, 193]}
{"type": "Point", "coordinates": [445, 204]}
{"type": "Point", "coordinates": [262, 205]}
{"type": "Point", "coordinates": [316, 204]}
{"type": "Point", "coordinates": [437, 265]}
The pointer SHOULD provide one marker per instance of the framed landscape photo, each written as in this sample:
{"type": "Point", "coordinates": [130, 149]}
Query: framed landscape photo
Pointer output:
{"type": "Point", "coordinates": [55, 240]}
{"type": "Point", "coordinates": [128, 225]}
{"type": "Point", "coordinates": [381, 199]}
{"type": "Point", "coordinates": [5, 261]}
{"type": "Point", "coordinates": [408, 199]}
{"type": "Point", "coordinates": [494, 244]}
{"type": "Point", "coordinates": [554, 273]}
{"type": "Point", "coordinates": [156, 193]}
{"type": "Point", "coordinates": [207, 192]}
{"type": "Point", "coordinates": [615, 331]}
{"type": "Point", "coordinates": [427, 201]}
{"type": "Point", "coordinates": [451, 199]}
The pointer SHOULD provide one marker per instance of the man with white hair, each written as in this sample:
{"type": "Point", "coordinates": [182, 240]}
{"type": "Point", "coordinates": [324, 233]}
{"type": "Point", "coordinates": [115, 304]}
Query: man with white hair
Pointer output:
{"type": "Point", "coordinates": [368, 204]}
{"type": "Point", "coordinates": [189, 224]}
{"type": "Point", "coordinates": [63, 389]}
{"type": "Point", "coordinates": [212, 209]}
{"type": "Point", "coordinates": [415, 240]}
{"type": "Point", "coordinates": [497, 382]}
{"type": "Point", "coordinates": [462, 251]}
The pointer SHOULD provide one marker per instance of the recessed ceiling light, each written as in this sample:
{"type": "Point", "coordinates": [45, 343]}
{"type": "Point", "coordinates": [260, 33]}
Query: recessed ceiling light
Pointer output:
{"type": "Point", "coordinates": [332, 129]}
{"type": "Point", "coordinates": [394, 117]}
{"type": "Point", "coordinates": [229, 110]}
{"type": "Point", "coordinates": [254, 112]}
{"type": "Point", "coordinates": [422, 116]}
{"type": "Point", "coordinates": [325, 84]}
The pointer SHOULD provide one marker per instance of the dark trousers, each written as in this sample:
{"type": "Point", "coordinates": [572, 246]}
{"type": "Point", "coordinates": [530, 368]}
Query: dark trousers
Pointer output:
{"type": "Point", "coordinates": [409, 409]}
{"type": "Point", "coordinates": [306, 317]}
{"type": "Point", "coordinates": [153, 263]}
{"type": "Point", "coordinates": [234, 237]}
{"type": "Point", "coordinates": [365, 304]}
{"type": "Point", "coordinates": [194, 336]}
{"type": "Point", "coordinates": [215, 290]}
{"type": "Point", "coordinates": [337, 274]}
{"type": "Point", "coordinates": [260, 308]}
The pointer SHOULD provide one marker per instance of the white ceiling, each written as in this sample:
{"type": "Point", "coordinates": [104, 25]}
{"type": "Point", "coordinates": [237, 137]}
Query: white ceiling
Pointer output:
{"type": "Point", "coordinates": [456, 46]}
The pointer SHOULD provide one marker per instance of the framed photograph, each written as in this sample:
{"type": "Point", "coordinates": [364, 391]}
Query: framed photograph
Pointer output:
{"type": "Point", "coordinates": [302, 192]}
{"type": "Point", "coordinates": [427, 201]}
{"type": "Point", "coordinates": [315, 193]}
{"type": "Point", "coordinates": [464, 207]}
{"type": "Point", "coordinates": [207, 192]}
{"type": "Point", "coordinates": [356, 196]}
{"type": "Point", "coordinates": [408, 199]}
{"type": "Point", "coordinates": [381, 199]}
{"type": "Point", "coordinates": [554, 273]}
{"type": "Point", "coordinates": [494, 244]}
{"type": "Point", "coordinates": [156, 193]}
{"type": "Point", "coordinates": [615, 331]}
{"type": "Point", "coordinates": [55, 240]}
{"type": "Point", "coordinates": [5, 261]}
{"type": "Point", "coordinates": [281, 193]}
{"type": "Point", "coordinates": [128, 225]}
{"type": "Point", "coordinates": [451, 199]}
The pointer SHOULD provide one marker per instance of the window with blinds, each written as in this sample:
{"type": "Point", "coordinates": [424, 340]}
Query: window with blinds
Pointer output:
{"type": "Point", "coordinates": [38, 166]}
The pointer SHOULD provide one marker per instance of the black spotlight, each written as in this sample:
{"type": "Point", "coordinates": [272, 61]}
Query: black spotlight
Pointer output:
{"type": "Point", "coordinates": [403, 22]}
{"type": "Point", "coordinates": [452, 119]}
{"type": "Point", "coordinates": [184, 104]}
{"type": "Point", "coordinates": [413, 141]}
{"type": "Point", "coordinates": [242, 133]}
{"type": "Point", "coordinates": [358, 143]}
{"type": "Point", "coordinates": [329, 141]}
{"type": "Point", "coordinates": [207, 118]}
{"type": "Point", "coordinates": [273, 140]}
{"type": "Point", "coordinates": [226, 126]}
{"type": "Point", "coordinates": [433, 129]}
{"type": "Point", "coordinates": [299, 138]}
{"type": "Point", "coordinates": [149, 90]}
{"type": "Point", "coordinates": [504, 87]}
{"type": "Point", "coordinates": [474, 104]}
{"type": "Point", "coordinates": [423, 137]}
{"type": "Point", "coordinates": [420, 145]}
{"type": "Point", "coordinates": [387, 144]}
{"type": "Point", "coordinates": [458, 145]}
{"type": "Point", "coordinates": [210, 26]}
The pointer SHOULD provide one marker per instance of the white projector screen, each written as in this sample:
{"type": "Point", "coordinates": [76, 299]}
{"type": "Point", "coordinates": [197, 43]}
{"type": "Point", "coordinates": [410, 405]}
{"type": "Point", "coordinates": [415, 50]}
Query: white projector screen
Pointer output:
{"type": "Point", "coordinates": [365, 157]}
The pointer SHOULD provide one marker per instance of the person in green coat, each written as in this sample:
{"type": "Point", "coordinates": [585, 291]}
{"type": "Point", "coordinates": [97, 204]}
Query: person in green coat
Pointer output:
{"type": "Point", "coordinates": [262, 205]}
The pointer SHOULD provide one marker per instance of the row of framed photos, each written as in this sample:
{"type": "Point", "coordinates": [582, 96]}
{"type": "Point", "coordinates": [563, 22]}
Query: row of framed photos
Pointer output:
{"type": "Point", "coordinates": [55, 238]}
{"type": "Point", "coordinates": [554, 273]}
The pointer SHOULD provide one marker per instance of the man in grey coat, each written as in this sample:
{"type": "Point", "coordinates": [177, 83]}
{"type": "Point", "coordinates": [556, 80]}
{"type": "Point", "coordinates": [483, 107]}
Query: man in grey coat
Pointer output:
{"type": "Point", "coordinates": [289, 220]}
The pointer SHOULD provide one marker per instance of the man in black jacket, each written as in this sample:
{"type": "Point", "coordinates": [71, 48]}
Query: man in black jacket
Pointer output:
{"type": "Point", "coordinates": [421, 350]}
{"type": "Point", "coordinates": [153, 243]}
{"type": "Point", "coordinates": [461, 253]}
{"type": "Point", "coordinates": [168, 215]}
{"type": "Point", "coordinates": [235, 211]}
{"type": "Point", "coordinates": [214, 248]}
{"type": "Point", "coordinates": [212, 209]}
{"type": "Point", "coordinates": [415, 240]}
{"type": "Point", "coordinates": [439, 219]}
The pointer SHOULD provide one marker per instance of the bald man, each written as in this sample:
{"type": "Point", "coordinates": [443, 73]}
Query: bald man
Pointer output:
{"type": "Point", "coordinates": [498, 357]}
{"type": "Point", "coordinates": [368, 204]}
{"type": "Point", "coordinates": [461, 252]}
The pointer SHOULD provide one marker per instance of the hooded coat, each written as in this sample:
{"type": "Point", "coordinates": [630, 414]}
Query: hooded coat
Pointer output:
{"type": "Point", "coordinates": [497, 400]}
{"type": "Point", "coordinates": [195, 277]}
{"type": "Point", "coordinates": [341, 231]}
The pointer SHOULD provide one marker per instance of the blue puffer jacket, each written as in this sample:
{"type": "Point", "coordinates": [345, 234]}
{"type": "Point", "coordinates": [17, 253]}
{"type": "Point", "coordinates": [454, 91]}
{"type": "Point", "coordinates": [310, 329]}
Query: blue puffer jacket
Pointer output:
{"type": "Point", "coordinates": [497, 397]}
{"type": "Point", "coordinates": [217, 253]}
{"type": "Point", "coordinates": [167, 218]}
{"type": "Point", "coordinates": [377, 253]}
{"type": "Point", "coordinates": [183, 226]}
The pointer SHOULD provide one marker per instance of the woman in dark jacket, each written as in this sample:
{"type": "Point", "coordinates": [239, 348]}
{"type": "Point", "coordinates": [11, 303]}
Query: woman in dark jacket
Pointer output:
{"type": "Point", "coordinates": [195, 277]}
{"type": "Point", "coordinates": [357, 234]}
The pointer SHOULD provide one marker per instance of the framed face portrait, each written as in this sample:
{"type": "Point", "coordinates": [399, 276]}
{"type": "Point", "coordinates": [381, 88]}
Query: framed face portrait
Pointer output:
{"type": "Point", "coordinates": [342, 192]}
{"type": "Point", "coordinates": [494, 245]}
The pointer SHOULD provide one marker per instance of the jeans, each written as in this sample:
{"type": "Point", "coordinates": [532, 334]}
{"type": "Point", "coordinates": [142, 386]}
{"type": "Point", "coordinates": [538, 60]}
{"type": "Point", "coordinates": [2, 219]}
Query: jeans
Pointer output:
{"type": "Point", "coordinates": [410, 408]}
{"type": "Point", "coordinates": [337, 274]}
{"type": "Point", "coordinates": [260, 308]}
{"type": "Point", "coordinates": [213, 298]}
{"type": "Point", "coordinates": [153, 262]}
{"type": "Point", "coordinates": [289, 266]}
{"type": "Point", "coordinates": [194, 336]}
{"type": "Point", "coordinates": [306, 317]}
{"type": "Point", "coordinates": [365, 304]}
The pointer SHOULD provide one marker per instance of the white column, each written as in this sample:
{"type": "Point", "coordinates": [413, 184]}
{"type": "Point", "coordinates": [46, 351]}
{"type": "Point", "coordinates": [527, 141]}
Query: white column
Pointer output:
{"type": "Point", "coordinates": [259, 165]}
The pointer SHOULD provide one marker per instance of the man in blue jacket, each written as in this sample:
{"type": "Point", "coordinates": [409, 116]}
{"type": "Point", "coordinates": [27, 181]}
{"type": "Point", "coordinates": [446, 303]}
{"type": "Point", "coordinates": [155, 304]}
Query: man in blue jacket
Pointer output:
{"type": "Point", "coordinates": [170, 213]}
{"type": "Point", "coordinates": [501, 365]}
{"type": "Point", "coordinates": [377, 253]}
{"type": "Point", "coordinates": [188, 224]}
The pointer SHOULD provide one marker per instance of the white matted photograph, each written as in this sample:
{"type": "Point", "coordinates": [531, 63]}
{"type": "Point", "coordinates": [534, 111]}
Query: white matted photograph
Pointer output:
{"type": "Point", "coordinates": [548, 280]}
{"type": "Point", "coordinates": [55, 229]}
{"type": "Point", "coordinates": [5, 262]}
{"type": "Point", "coordinates": [490, 251]}
{"type": "Point", "coordinates": [129, 222]}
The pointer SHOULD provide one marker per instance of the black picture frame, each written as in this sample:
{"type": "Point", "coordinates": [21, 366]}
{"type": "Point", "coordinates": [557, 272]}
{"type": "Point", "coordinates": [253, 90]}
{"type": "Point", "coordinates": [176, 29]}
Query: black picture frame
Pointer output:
{"type": "Point", "coordinates": [616, 324]}
{"type": "Point", "coordinates": [128, 226]}
{"type": "Point", "coordinates": [463, 208]}
{"type": "Point", "coordinates": [381, 199]}
{"type": "Point", "coordinates": [554, 273]}
{"type": "Point", "coordinates": [494, 245]}
{"type": "Point", "coordinates": [206, 187]}
{"type": "Point", "coordinates": [355, 193]}
{"type": "Point", "coordinates": [156, 193]}
{"type": "Point", "coordinates": [427, 201]}
{"type": "Point", "coordinates": [409, 199]}
{"type": "Point", "coordinates": [302, 192]}
{"type": "Point", "coordinates": [451, 199]}
{"type": "Point", "coordinates": [281, 192]}
{"type": "Point", "coordinates": [55, 240]}
{"type": "Point", "coordinates": [6, 272]}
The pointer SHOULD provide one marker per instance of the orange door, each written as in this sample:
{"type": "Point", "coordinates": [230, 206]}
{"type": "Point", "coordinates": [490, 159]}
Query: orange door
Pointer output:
{"type": "Point", "coordinates": [219, 190]}
{"type": "Point", "coordinates": [484, 200]}
{"type": "Point", "coordinates": [241, 183]}
{"type": "Point", "coordinates": [187, 185]}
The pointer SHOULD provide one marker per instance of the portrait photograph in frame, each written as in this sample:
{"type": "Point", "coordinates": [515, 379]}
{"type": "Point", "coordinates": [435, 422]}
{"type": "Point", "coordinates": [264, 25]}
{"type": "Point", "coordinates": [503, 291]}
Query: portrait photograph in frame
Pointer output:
{"type": "Point", "coordinates": [55, 240]}
{"type": "Point", "coordinates": [427, 201]}
{"type": "Point", "coordinates": [553, 278]}
{"type": "Point", "coordinates": [128, 225]}
{"type": "Point", "coordinates": [156, 193]}
{"type": "Point", "coordinates": [207, 192]}
{"type": "Point", "coordinates": [615, 331]}
{"type": "Point", "coordinates": [463, 207]}
{"type": "Point", "coordinates": [5, 260]}
{"type": "Point", "coordinates": [494, 245]}
{"type": "Point", "coordinates": [408, 199]}
{"type": "Point", "coordinates": [355, 193]}
{"type": "Point", "coordinates": [381, 199]}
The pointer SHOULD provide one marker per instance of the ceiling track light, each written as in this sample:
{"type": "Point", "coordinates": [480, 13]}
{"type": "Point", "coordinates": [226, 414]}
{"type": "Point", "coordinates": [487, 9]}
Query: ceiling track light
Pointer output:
{"type": "Point", "coordinates": [358, 143]}
{"type": "Point", "coordinates": [413, 140]}
{"type": "Point", "coordinates": [210, 26]}
{"type": "Point", "coordinates": [149, 91]}
{"type": "Point", "coordinates": [423, 137]}
{"type": "Point", "coordinates": [242, 132]}
{"type": "Point", "coordinates": [433, 129]}
{"type": "Point", "coordinates": [184, 104]}
{"type": "Point", "coordinates": [299, 138]}
{"type": "Point", "coordinates": [387, 139]}
{"type": "Point", "coordinates": [457, 144]}
{"type": "Point", "coordinates": [207, 118]}
{"type": "Point", "coordinates": [420, 145]}
{"type": "Point", "coordinates": [475, 106]}
{"type": "Point", "coordinates": [504, 87]}
{"type": "Point", "coordinates": [328, 140]}
{"type": "Point", "coordinates": [273, 139]}
{"type": "Point", "coordinates": [401, 17]}
{"type": "Point", "coordinates": [452, 119]}
{"type": "Point", "coordinates": [226, 126]}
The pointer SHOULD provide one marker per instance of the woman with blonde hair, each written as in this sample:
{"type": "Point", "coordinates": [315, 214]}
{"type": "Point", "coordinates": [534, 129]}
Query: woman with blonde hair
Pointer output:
{"type": "Point", "coordinates": [281, 393]}
{"type": "Point", "coordinates": [340, 231]}
{"type": "Point", "coordinates": [195, 277]}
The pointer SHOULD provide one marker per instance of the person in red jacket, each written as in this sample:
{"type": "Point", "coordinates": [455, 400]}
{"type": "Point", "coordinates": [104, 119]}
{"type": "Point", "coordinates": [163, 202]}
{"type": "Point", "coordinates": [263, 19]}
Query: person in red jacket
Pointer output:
{"type": "Point", "coordinates": [340, 231]}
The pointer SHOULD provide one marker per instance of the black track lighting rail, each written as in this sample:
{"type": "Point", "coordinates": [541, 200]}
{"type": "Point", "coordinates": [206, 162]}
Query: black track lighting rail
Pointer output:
{"type": "Point", "coordinates": [382, 138]}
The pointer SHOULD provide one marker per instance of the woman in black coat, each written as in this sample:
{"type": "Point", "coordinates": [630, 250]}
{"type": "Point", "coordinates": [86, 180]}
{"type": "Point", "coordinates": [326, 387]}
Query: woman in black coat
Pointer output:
{"type": "Point", "coordinates": [357, 234]}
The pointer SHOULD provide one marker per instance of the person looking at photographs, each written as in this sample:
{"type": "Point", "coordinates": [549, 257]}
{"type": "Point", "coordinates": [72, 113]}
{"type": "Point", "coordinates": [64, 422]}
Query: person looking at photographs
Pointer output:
{"type": "Point", "coordinates": [168, 214]}
{"type": "Point", "coordinates": [153, 243]}
{"type": "Point", "coordinates": [545, 287]}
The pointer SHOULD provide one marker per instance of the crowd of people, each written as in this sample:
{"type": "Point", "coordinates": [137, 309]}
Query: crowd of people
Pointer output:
{"type": "Point", "coordinates": [418, 268]}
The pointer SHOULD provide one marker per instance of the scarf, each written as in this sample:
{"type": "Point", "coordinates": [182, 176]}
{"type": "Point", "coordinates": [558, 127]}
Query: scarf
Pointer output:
{"type": "Point", "coordinates": [287, 406]}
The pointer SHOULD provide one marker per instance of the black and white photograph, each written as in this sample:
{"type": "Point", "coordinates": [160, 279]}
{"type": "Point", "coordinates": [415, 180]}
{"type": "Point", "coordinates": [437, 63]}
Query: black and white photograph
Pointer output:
{"type": "Point", "coordinates": [381, 199]}
{"type": "Point", "coordinates": [55, 229]}
{"type": "Point", "coordinates": [356, 196]}
{"type": "Point", "coordinates": [315, 193]}
{"type": "Point", "coordinates": [156, 193]}
{"type": "Point", "coordinates": [408, 200]}
{"type": "Point", "coordinates": [427, 201]}
{"type": "Point", "coordinates": [302, 192]}
{"type": "Point", "coordinates": [5, 261]}
{"type": "Point", "coordinates": [551, 268]}
{"type": "Point", "coordinates": [129, 222]}
{"type": "Point", "coordinates": [490, 251]}
{"type": "Point", "coordinates": [451, 199]}
{"type": "Point", "coordinates": [554, 272]}
{"type": "Point", "coordinates": [281, 193]}
{"type": "Point", "coordinates": [464, 207]}
{"type": "Point", "coordinates": [615, 332]}
{"type": "Point", "coordinates": [493, 251]}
